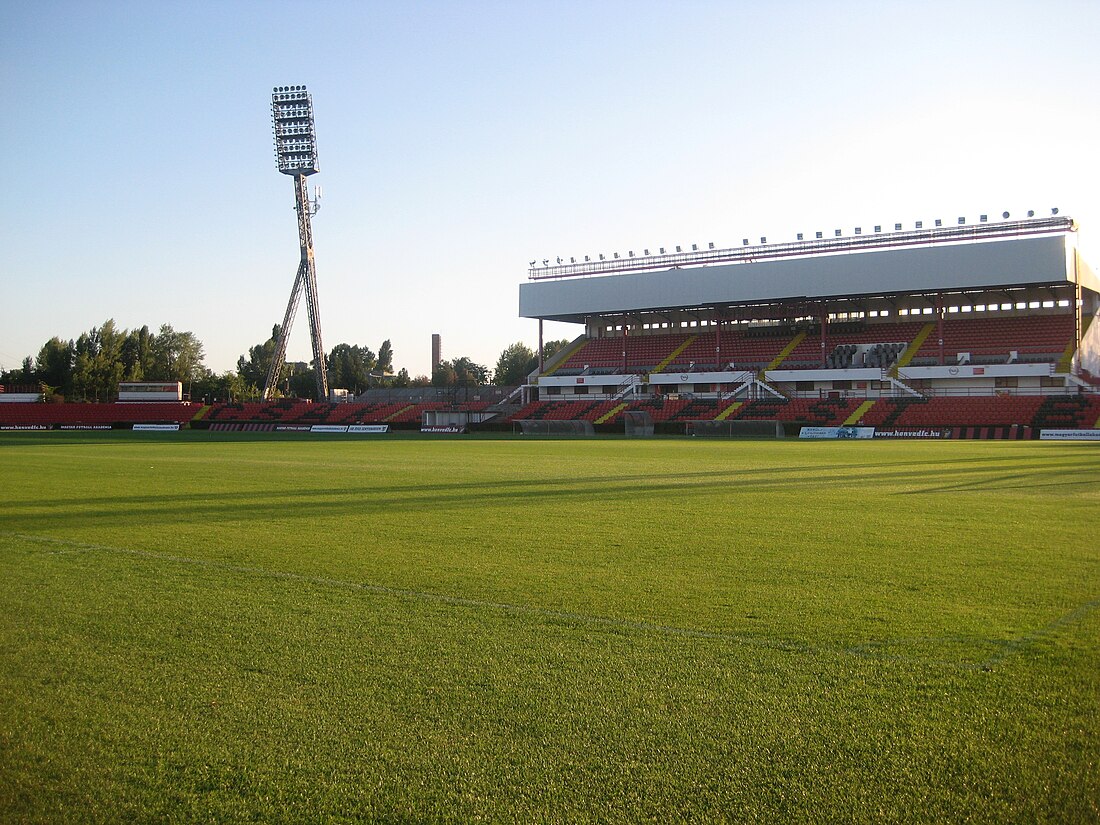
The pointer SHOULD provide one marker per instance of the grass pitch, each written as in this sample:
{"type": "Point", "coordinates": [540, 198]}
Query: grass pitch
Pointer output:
{"type": "Point", "coordinates": [220, 628]}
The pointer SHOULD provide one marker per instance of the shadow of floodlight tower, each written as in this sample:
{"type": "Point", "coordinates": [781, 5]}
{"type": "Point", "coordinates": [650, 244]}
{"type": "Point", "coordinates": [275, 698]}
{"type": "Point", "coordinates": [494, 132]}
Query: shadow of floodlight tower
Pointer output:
{"type": "Point", "coordinates": [296, 155]}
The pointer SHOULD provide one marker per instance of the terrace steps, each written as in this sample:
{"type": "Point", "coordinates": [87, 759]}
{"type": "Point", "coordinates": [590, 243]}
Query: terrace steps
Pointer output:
{"type": "Point", "coordinates": [672, 356]}
{"type": "Point", "coordinates": [912, 349]}
{"type": "Point", "coordinates": [570, 351]}
{"type": "Point", "coordinates": [1065, 363]}
{"type": "Point", "coordinates": [787, 350]}
{"type": "Point", "coordinates": [859, 412]}
{"type": "Point", "coordinates": [400, 412]}
{"type": "Point", "coordinates": [730, 410]}
{"type": "Point", "coordinates": [607, 416]}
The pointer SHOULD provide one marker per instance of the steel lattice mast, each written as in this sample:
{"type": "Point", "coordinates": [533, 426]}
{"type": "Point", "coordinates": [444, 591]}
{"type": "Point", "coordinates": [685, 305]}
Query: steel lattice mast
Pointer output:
{"type": "Point", "coordinates": [296, 155]}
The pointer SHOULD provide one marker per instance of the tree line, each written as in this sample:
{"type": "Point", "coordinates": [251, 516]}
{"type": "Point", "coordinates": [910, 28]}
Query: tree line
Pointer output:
{"type": "Point", "coordinates": [91, 366]}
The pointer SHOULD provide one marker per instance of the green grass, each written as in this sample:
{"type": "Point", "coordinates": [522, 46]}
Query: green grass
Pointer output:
{"type": "Point", "coordinates": [212, 627]}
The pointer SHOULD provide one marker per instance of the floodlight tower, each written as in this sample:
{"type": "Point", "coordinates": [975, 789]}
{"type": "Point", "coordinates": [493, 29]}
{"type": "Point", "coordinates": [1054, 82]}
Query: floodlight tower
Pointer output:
{"type": "Point", "coordinates": [296, 155]}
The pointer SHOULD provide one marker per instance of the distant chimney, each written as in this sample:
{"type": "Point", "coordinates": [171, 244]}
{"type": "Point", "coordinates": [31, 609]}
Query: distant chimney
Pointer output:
{"type": "Point", "coordinates": [437, 350]}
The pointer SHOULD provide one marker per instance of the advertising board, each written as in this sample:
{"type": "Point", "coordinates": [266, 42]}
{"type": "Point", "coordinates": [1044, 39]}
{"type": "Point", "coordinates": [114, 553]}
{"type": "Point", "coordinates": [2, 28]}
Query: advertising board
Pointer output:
{"type": "Point", "coordinates": [836, 432]}
{"type": "Point", "coordinates": [915, 432]}
{"type": "Point", "coordinates": [1069, 435]}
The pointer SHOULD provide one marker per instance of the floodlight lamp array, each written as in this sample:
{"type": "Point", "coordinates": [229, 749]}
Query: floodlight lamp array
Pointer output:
{"type": "Point", "coordinates": [295, 138]}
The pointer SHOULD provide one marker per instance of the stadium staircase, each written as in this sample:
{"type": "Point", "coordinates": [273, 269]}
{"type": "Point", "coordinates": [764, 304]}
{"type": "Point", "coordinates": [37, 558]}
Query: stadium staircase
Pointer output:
{"type": "Point", "coordinates": [911, 351]}
{"type": "Point", "coordinates": [787, 350]}
{"type": "Point", "coordinates": [901, 385]}
{"type": "Point", "coordinates": [675, 354]}
{"type": "Point", "coordinates": [858, 414]}
{"type": "Point", "coordinates": [729, 411]}
{"type": "Point", "coordinates": [824, 412]}
{"type": "Point", "coordinates": [1065, 363]}
{"type": "Point", "coordinates": [562, 357]}
{"type": "Point", "coordinates": [607, 416]}
{"type": "Point", "coordinates": [403, 411]}
{"type": "Point", "coordinates": [886, 411]}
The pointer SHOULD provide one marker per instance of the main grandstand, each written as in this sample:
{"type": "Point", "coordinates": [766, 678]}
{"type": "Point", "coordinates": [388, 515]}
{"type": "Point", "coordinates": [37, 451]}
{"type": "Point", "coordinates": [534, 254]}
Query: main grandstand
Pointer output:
{"type": "Point", "coordinates": [973, 330]}
{"type": "Point", "coordinates": [981, 325]}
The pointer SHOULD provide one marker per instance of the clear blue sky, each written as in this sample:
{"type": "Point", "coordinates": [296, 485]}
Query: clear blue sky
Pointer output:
{"type": "Point", "coordinates": [458, 141]}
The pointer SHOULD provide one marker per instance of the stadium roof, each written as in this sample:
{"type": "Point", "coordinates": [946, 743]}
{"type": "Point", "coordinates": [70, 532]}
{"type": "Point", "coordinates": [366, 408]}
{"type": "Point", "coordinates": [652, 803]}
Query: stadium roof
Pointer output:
{"type": "Point", "coordinates": [1050, 260]}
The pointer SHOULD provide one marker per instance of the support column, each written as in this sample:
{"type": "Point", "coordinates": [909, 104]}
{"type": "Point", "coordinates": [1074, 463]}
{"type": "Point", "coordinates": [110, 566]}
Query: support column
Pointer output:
{"type": "Point", "coordinates": [304, 283]}
{"type": "Point", "coordinates": [542, 364]}
{"type": "Point", "coordinates": [940, 323]}
{"type": "Point", "coordinates": [824, 334]}
{"type": "Point", "coordinates": [1078, 321]}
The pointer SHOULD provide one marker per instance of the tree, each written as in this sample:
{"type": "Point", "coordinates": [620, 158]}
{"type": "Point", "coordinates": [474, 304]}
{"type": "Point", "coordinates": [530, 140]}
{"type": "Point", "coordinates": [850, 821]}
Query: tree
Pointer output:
{"type": "Point", "coordinates": [469, 374]}
{"type": "Point", "coordinates": [97, 363]}
{"type": "Point", "coordinates": [443, 374]}
{"type": "Point", "coordinates": [212, 388]}
{"type": "Point", "coordinates": [349, 367]}
{"type": "Point", "coordinates": [84, 350]}
{"type": "Point", "coordinates": [91, 367]}
{"type": "Point", "coordinates": [107, 364]}
{"type": "Point", "coordinates": [303, 382]}
{"type": "Point", "coordinates": [253, 370]}
{"type": "Point", "coordinates": [177, 356]}
{"type": "Point", "coordinates": [137, 355]}
{"type": "Point", "coordinates": [26, 374]}
{"type": "Point", "coordinates": [552, 348]}
{"type": "Point", "coordinates": [385, 358]}
{"type": "Point", "coordinates": [460, 372]}
{"type": "Point", "coordinates": [401, 380]}
{"type": "Point", "coordinates": [515, 363]}
{"type": "Point", "coordinates": [55, 365]}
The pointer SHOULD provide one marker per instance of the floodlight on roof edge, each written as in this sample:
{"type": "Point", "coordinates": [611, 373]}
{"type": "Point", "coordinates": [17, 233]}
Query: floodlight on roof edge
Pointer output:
{"type": "Point", "coordinates": [296, 155]}
{"type": "Point", "coordinates": [858, 241]}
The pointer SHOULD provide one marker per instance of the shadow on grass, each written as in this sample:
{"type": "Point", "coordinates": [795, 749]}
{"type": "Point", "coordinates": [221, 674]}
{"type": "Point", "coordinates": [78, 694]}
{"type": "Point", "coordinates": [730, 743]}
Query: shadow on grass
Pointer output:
{"type": "Point", "coordinates": [366, 500]}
